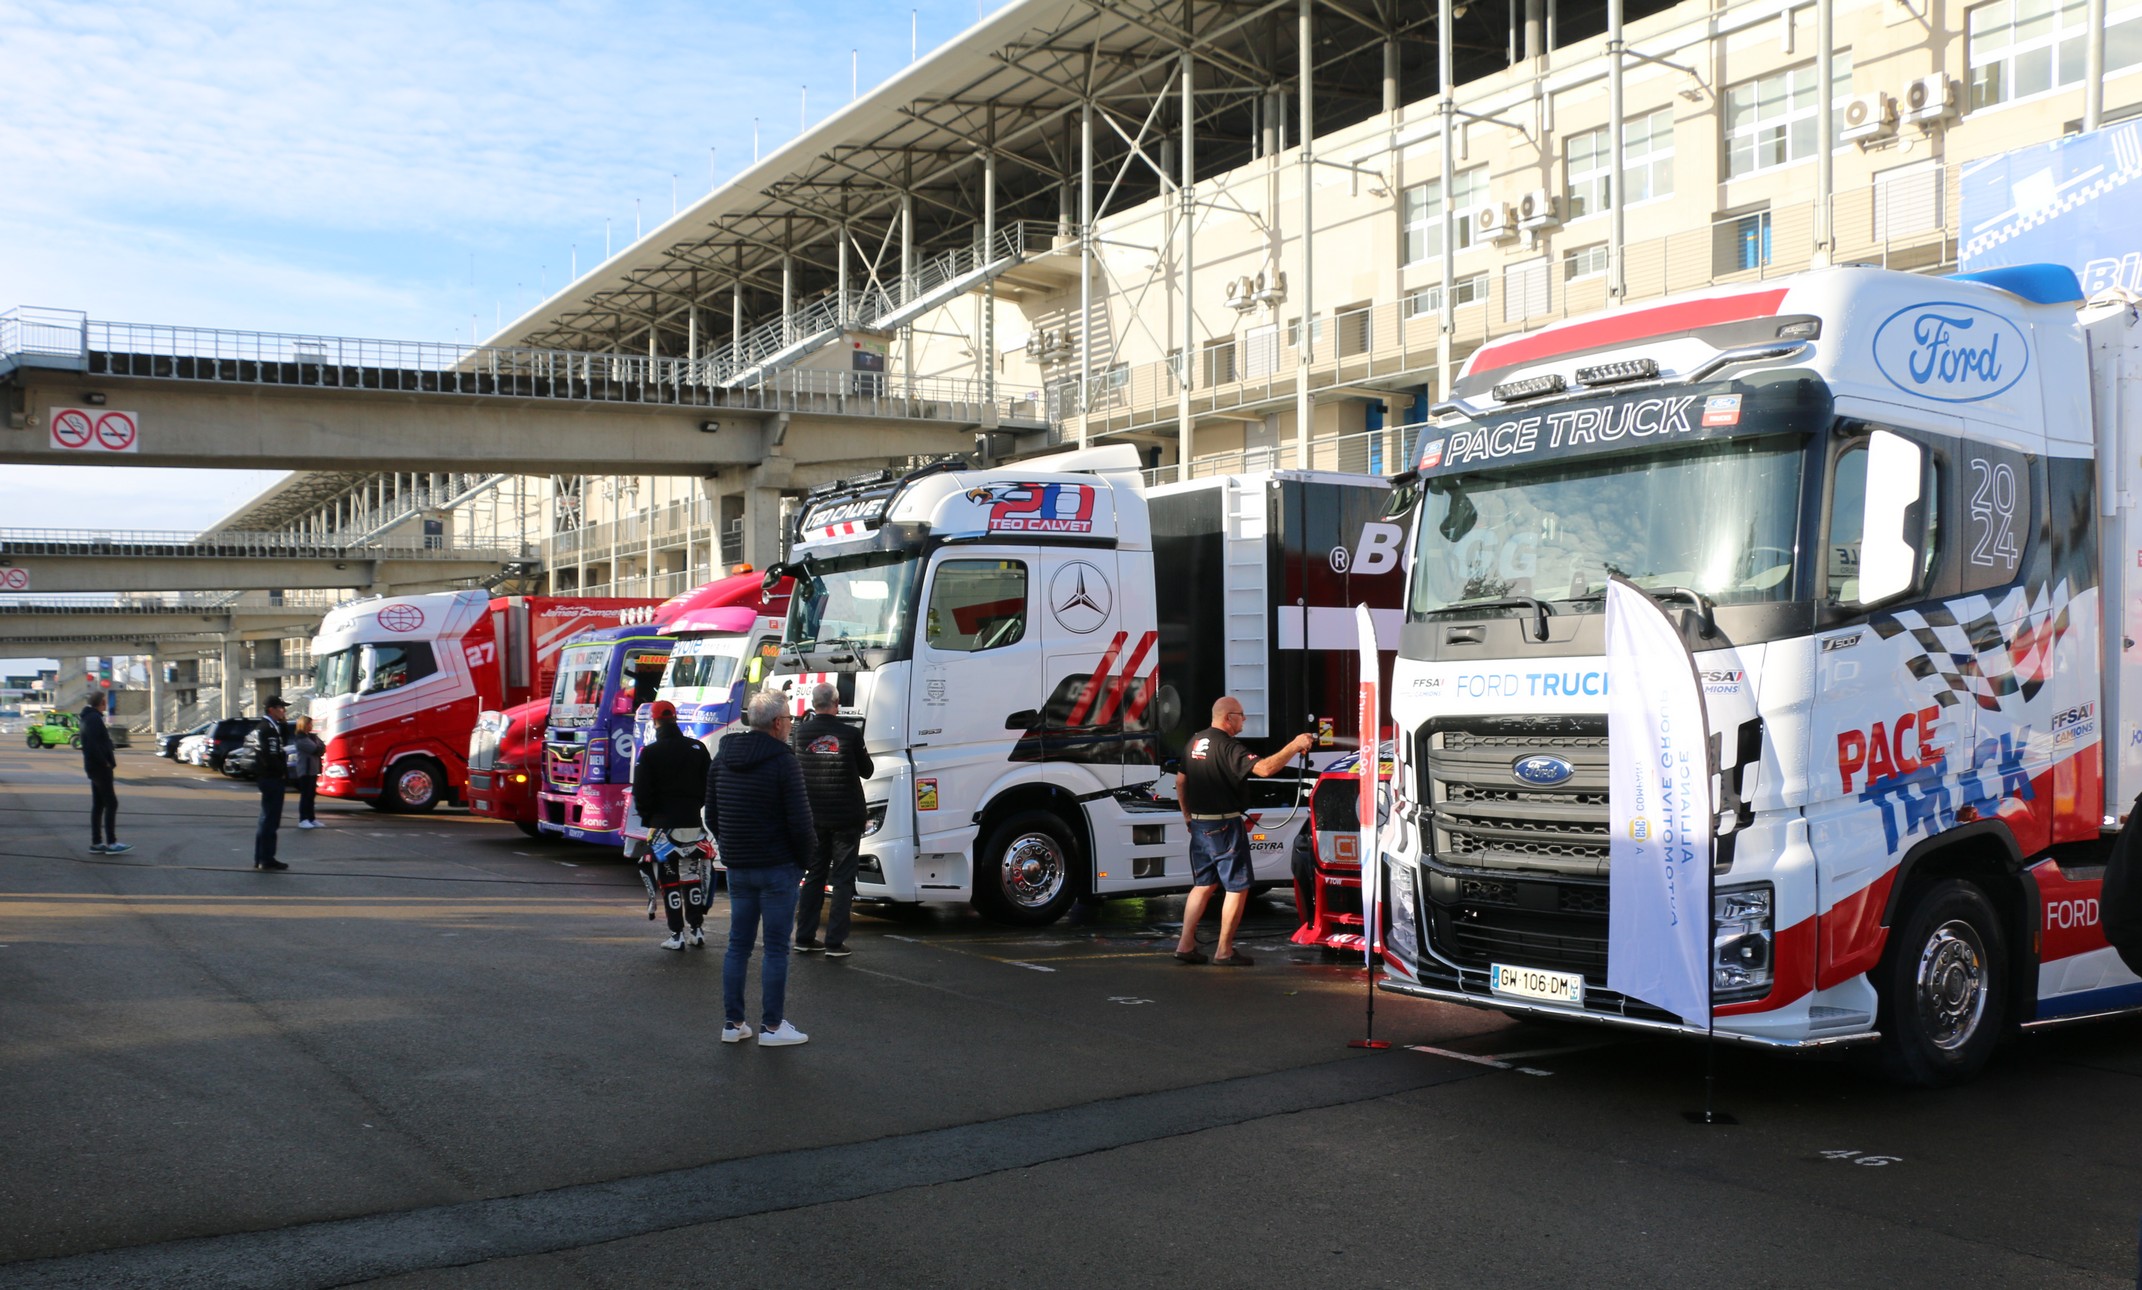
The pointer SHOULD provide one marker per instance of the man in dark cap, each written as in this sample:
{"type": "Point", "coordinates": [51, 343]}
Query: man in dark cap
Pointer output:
{"type": "Point", "coordinates": [272, 734]}
{"type": "Point", "coordinates": [100, 762]}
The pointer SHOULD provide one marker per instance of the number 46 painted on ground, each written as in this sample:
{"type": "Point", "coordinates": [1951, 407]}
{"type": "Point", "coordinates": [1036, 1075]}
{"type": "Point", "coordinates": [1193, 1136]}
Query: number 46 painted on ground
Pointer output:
{"type": "Point", "coordinates": [1860, 1158]}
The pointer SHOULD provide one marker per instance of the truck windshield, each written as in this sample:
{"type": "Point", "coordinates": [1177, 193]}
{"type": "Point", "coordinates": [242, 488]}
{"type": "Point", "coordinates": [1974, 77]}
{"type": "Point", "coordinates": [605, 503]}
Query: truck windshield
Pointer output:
{"type": "Point", "coordinates": [577, 696]}
{"type": "Point", "coordinates": [1719, 517]}
{"type": "Point", "coordinates": [701, 671]}
{"type": "Point", "coordinates": [336, 674]}
{"type": "Point", "coordinates": [861, 601]}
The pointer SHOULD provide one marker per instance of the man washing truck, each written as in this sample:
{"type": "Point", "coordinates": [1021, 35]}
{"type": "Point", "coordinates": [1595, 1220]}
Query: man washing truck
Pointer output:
{"type": "Point", "coordinates": [1893, 518]}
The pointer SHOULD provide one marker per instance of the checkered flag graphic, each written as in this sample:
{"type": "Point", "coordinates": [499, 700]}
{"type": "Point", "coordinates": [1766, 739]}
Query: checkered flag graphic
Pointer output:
{"type": "Point", "coordinates": [1964, 647]}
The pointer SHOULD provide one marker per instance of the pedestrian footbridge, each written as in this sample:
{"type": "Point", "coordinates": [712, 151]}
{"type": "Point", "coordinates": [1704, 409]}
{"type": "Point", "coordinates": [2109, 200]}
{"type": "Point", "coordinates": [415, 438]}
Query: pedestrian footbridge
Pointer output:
{"type": "Point", "coordinates": [190, 396]}
{"type": "Point", "coordinates": [36, 561]}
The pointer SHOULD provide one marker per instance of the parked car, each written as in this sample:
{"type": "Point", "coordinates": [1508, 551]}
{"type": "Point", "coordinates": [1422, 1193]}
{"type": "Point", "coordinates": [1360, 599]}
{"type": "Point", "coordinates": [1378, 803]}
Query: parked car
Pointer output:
{"type": "Point", "coordinates": [55, 728]}
{"type": "Point", "coordinates": [167, 743]}
{"type": "Point", "coordinates": [243, 762]}
{"type": "Point", "coordinates": [192, 749]}
{"type": "Point", "coordinates": [227, 735]}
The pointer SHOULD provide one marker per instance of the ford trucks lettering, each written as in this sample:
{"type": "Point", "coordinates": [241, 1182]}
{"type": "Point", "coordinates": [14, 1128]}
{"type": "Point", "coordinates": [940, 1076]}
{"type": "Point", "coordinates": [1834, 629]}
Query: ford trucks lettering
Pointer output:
{"type": "Point", "coordinates": [1861, 579]}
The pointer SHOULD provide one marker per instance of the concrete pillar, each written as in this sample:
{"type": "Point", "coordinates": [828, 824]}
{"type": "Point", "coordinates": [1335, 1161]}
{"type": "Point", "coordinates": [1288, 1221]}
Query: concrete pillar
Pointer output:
{"type": "Point", "coordinates": [156, 693]}
{"type": "Point", "coordinates": [1448, 107]}
{"type": "Point", "coordinates": [1085, 263]}
{"type": "Point", "coordinates": [1617, 281]}
{"type": "Point", "coordinates": [1305, 42]}
{"type": "Point", "coordinates": [2093, 64]}
{"type": "Point", "coordinates": [1187, 191]}
{"type": "Point", "coordinates": [986, 341]}
{"type": "Point", "coordinates": [1825, 130]}
{"type": "Point", "coordinates": [233, 677]}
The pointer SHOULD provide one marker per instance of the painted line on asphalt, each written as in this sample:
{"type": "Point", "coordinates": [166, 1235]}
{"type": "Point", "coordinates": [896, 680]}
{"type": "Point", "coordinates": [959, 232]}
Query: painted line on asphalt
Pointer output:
{"type": "Point", "coordinates": [341, 1251]}
{"type": "Point", "coordinates": [1476, 1059]}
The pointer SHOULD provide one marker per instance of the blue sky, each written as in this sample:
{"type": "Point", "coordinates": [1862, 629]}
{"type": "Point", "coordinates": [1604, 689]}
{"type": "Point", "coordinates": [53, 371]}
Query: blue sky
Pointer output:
{"type": "Point", "coordinates": [395, 169]}
{"type": "Point", "coordinates": [391, 170]}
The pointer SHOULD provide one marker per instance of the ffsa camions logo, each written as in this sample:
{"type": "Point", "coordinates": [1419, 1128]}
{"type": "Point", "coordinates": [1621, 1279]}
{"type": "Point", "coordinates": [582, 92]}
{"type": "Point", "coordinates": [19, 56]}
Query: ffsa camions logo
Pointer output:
{"type": "Point", "coordinates": [1037, 508]}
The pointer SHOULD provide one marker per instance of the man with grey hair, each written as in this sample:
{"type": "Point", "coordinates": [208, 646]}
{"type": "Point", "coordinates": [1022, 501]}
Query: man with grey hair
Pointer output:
{"type": "Point", "coordinates": [835, 765]}
{"type": "Point", "coordinates": [761, 819]}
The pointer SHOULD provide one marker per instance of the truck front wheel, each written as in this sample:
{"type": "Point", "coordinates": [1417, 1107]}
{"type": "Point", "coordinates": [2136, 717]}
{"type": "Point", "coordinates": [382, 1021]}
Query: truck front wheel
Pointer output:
{"type": "Point", "coordinates": [415, 785]}
{"type": "Point", "coordinates": [1944, 986]}
{"type": "Point", "coordinates": [1027, 873]}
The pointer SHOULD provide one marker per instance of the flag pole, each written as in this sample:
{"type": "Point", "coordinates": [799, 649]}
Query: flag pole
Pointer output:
{"type": "Point", "coordinates": [1368, 768]}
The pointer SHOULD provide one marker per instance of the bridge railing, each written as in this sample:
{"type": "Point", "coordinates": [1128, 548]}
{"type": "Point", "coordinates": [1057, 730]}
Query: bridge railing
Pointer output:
{"type": "Point", "coordinates": [150, 542]}
{"type": "Point", "coordinates": [54, 333]}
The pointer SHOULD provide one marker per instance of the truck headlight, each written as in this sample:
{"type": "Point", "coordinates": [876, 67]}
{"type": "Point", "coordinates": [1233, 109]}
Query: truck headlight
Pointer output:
{"type": "Point", "coordinates": [1742, 940]}
{"type": "Point", "coordinates": [337, 770]}
{"type": "Point", "coordinates": [873, 818]}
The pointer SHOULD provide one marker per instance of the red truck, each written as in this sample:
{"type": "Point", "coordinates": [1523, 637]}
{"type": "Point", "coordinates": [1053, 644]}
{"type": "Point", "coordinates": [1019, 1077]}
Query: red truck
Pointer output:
{"type": "Point", "coordinates": [400, 681]}
{"type": "Point", "coordinates": [506, 764]}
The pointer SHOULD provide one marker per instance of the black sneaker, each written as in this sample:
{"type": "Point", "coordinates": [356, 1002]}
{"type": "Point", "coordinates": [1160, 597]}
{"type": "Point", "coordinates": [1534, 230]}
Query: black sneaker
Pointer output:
{"type": "Point", "coordinates": [807, 947]}
{"type": "Point", "coordinates": [838, 951]}
{"type": "Point", "coordinates": [271, 864]}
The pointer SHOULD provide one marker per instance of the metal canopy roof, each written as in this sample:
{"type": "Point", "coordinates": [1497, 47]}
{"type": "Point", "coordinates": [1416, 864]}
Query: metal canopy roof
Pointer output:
{"type": "Point", "coordinates": [1011, 85]}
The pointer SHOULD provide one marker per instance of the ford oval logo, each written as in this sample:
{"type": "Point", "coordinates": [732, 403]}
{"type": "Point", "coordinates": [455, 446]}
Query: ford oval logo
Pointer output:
{"type": "Point", "coordinates": [1541, 771]}
{"type": "Point", "coordinates": [1950, 353]}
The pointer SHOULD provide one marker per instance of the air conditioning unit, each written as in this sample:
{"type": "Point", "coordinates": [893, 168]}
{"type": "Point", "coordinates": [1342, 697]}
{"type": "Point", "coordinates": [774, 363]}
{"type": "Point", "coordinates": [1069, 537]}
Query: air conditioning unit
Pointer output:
{"type": "Point", "coordinates": [1495, 221]}
{"type": "Point", "coordinates": [1046, 344]}
{"type": "Point", "coordinates": [1242, 294]}
{"type": "Point", "coordinates": [1930, 99]}
{"type": "Point", "coordinates": [1539, 209]}
{"type": "Point", "coordinates": [1868, 117]}
{"type": "Point", "coordinates": [1270, 287]}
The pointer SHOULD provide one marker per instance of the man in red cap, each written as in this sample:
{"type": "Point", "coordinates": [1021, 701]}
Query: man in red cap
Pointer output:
{"type": "Point", "coordinates": [669, 790]}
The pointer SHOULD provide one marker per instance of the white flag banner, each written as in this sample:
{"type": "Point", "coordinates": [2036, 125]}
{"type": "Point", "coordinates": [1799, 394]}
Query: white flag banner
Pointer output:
{"type": "Point", "coordinates": [1660, 811]}
{"type": "Point", "coordinates": [1370, 765]}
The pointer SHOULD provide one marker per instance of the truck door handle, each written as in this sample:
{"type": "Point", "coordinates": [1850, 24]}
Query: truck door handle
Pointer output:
{"type": "Point", "coordinates": [1464, 635]}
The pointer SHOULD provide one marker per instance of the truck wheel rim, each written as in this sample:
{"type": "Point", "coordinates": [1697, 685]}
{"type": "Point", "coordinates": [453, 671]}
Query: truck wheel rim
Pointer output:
{"type": "Point", "coordinates": [1033, 870]}
{"type": "Point", "coordinates": [415, 785]}
{"type": "Point", "coordinates": [1951, 987]}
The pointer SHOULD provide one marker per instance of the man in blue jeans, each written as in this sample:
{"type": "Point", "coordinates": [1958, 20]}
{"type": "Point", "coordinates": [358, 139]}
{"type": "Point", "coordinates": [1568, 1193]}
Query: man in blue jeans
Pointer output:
{"type": "Point", "coordinates": [1213, 788]}
{"type": "Point", "coordinates": [761, 820]}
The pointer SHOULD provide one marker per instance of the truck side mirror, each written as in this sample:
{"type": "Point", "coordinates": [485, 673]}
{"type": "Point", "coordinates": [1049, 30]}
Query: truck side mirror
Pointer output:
{"type": "Point", "coordinates": [1024, 719]}
{"type": "Point", "coordinates": [1893, 543]}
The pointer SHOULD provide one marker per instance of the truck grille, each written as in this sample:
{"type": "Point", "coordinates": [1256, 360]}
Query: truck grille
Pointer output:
{"type": "Point", "coordinates": [1517, 872]}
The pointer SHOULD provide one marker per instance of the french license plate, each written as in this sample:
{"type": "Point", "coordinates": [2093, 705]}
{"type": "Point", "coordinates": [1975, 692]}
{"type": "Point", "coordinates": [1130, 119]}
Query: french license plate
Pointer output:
{"type": "Point", "coordinates": [1538, 983]}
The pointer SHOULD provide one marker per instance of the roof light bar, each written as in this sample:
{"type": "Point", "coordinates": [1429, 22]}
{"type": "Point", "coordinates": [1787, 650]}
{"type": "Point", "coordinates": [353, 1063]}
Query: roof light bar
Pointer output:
{"type": "Point", "coordinates": [1530, 387]}
{"type": "Point", "coordinates": [1628, 369]}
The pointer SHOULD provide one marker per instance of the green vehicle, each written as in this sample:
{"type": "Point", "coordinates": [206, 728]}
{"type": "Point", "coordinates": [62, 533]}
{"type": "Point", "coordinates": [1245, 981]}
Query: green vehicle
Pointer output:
{"type": "Point", "coordinates": [56, 728]}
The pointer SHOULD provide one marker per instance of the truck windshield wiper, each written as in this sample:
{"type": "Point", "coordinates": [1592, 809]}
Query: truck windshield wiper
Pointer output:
{"type": "Point", "coordinates": [1702, 604]}
{"type": "Point", "coordinates": [1539, 609]}
{"type": "Point", "coordinates": [855, 650]}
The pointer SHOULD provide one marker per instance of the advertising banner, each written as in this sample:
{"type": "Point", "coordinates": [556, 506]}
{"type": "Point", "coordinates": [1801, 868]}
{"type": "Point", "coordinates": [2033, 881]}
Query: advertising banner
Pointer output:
{"type": "Point", "coordinates": [2076, 201]}
{"type": "Point", "coordinates": [1369, 766]}
{"type": "Point", "coordinates": [1660, 810]}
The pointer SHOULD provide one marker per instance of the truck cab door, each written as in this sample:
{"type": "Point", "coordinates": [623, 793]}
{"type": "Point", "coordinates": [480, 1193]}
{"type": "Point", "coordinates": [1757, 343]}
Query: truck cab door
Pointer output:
{"type": "Point", "coordinates": [977, 669]}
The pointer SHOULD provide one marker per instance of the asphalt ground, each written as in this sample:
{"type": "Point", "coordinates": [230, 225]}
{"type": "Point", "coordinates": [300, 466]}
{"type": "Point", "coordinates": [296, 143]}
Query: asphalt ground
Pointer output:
{"type": "Point", "coordinates": [436, 1054]}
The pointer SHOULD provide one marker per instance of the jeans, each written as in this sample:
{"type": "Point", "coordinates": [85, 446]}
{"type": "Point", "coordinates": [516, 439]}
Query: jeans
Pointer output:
{"type": "Point", "coordinates": [834, 861]}
{"type": "Point", "coordinates": [271, 819]}
{"type": "Point", "coordinates": [308, 787]}
{"type": "Point", "coordinates": [758, 896]}
{"type": "Point", "coordinates": [103, 808]}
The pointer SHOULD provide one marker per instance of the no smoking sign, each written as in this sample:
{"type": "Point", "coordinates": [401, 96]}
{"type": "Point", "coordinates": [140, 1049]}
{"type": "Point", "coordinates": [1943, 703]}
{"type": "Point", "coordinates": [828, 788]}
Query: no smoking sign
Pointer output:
{"type": "Point", "coordinates": [95, 430]}
{"type": "Point", "coordinates": [14, 579]}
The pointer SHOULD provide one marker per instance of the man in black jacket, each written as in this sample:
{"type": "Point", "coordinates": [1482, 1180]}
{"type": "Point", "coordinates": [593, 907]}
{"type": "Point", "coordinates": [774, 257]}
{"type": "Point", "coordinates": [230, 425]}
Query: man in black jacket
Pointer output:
{"type": "Point", "coordinates": [761, 817]}
{"type": "Point", "coordinates": [271, 776]}
{"type": "Point", "coordinates": [100, 761]}
{"type": "Point", "coordinates": [669, 790]}
{"type": "Point", "coordinates": [834, 768]}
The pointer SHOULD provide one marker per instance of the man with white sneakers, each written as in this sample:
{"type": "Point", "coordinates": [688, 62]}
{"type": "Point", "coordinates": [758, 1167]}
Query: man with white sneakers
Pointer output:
{"type": "Point", "coordinates": [761, 817]}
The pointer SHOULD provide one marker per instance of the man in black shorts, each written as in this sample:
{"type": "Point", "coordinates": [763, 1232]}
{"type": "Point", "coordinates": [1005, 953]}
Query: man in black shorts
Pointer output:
{"type": "Point", "coordinates": [1212, 788]}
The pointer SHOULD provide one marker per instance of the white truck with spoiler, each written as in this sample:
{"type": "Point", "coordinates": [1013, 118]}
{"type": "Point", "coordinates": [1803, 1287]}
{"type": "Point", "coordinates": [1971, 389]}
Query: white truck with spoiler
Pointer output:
{"type": "Point", "coordinates": [1027, 647]}
{"type": "Point", "coordinates": [1893, 518]}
